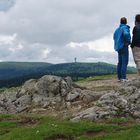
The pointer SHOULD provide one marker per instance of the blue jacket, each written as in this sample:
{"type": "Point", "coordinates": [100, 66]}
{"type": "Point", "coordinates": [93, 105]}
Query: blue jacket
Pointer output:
{"type": "Point", "coordinates": [122, 37]}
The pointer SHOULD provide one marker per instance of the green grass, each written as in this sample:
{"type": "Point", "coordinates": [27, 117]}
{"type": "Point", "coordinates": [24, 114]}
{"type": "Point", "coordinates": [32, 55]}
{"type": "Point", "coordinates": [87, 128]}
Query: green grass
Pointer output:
{"type": "Point", "coordinates": [33, 127]}
{"type": "Point", "coordinates": [96, 78]}
{"type": "Point", "coordinates": [12, 89]}
{"type": "Point", "coordinates": [104, 77]}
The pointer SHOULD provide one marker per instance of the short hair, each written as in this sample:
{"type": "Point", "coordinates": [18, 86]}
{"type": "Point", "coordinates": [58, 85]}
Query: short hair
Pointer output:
{"type": "Point", "coordinates": [137, 18]}
{"type": "Point", "coordinates": [123, 20]}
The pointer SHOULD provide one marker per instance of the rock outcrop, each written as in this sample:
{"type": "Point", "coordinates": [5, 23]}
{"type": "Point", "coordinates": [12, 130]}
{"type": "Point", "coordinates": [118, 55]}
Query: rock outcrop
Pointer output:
{"type": "Point", "coordinates": [124, 102]}
{"type": "Point", "coordinates": [46, 92]}
{"type": "Point", "coordinates": [62, 94]}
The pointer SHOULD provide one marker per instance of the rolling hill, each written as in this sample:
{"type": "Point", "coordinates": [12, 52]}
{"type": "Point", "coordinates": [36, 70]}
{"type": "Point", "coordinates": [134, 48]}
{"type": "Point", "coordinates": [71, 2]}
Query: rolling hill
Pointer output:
{"type": "Point", "coordinates": [16, 73]}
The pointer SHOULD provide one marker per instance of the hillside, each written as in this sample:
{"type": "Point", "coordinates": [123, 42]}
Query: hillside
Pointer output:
{"type": "Point", "coordinates": [43, 116]}
{"type": "Point", "coordinates": [85, 69]}
{"type": "Point", "coordinates": [16, 73]}
{"type": "Point", "coordinates": [10, 70]}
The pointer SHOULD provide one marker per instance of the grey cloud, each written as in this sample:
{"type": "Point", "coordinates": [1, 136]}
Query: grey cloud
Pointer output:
{"type": "Point", "coordinates": [58, 22]}
{"type": "Point", "coordinates": [5, 5]}
{"type": "Point", "coordinates": [81, 54]}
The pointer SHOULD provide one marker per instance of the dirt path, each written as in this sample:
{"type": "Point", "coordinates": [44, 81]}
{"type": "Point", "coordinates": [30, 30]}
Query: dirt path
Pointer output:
{"type": "Point", "coordinates": [104, 85]}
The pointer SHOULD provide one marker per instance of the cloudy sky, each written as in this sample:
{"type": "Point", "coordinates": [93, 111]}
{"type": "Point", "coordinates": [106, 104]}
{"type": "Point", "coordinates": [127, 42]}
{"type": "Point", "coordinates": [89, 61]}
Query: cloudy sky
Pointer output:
{"type": "Point", "coordinates": [57, 31]}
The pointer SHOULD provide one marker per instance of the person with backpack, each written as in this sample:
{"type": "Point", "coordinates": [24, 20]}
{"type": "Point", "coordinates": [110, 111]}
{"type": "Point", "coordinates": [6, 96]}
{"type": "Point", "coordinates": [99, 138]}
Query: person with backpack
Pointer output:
{"type": "Point", "coordinates": [136, 43]}
{"type": "Point", "coordinates": [122, 40]}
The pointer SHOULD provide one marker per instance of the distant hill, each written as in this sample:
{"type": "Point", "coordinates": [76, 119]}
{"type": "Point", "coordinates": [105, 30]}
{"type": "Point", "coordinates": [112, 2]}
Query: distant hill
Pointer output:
{"type": "Point", "coordinates": [15, 73]}
{"type": "Point", "coordinates": [85, 68]}
{"type": "Point", "coordinates": [9, 70]}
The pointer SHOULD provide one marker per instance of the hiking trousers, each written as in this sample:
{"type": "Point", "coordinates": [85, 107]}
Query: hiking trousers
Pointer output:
{"type": "Point", "coordinates": [123, 58]}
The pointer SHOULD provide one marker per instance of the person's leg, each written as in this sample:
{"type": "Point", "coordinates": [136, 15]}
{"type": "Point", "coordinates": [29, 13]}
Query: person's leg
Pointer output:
{"type": "Point", "coordinates": [136, 56]}
{"type": "Point", "coordinates": [139, 72]}
{"type": "Point", "coordinates": [138, 62]}
{"type": "Point", "coordinates": [119, 66]}
{"type": "Point", "coordinates": [125, 57]}
{"type": "Point", "coordinates": [138, 66]}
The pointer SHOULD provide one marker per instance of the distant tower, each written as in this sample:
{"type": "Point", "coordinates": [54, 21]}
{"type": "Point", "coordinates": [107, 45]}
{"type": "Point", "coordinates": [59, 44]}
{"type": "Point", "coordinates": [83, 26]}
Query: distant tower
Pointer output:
{"type": "Point", "coordinates": [75, 59]}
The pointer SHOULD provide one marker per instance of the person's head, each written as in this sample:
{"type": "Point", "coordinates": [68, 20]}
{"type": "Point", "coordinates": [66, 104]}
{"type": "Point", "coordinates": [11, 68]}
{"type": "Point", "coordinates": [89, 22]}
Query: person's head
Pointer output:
{"type": "Point", "coordinates": [137, 18]}
{"type": "Point", "coordinates": [123, 20]}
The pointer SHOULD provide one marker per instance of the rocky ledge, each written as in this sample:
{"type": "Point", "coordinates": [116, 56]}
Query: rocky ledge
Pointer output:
{"type": "Point", "coordinates": [57, 93]}
{"type": "Point", "coordinates": [48, 92]}
{"type": "Point", "coordinates": [123, 102]}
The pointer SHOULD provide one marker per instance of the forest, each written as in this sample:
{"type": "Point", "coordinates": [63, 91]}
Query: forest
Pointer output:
{"type": "Point", "coordinates": [16, 73]}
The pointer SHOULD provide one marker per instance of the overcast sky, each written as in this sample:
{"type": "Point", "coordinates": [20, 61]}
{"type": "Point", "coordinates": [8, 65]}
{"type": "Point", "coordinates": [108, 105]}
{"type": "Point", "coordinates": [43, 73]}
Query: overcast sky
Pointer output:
{"type": "Point", "coordinates": [57, 31]}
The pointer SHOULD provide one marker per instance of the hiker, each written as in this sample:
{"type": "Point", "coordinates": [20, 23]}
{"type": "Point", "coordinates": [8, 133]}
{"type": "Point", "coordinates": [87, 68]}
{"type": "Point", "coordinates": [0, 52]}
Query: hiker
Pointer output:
{"type": "Point", "coordinates": [122, 40]}
{"type": "Point", "coordinates": [136, 43]}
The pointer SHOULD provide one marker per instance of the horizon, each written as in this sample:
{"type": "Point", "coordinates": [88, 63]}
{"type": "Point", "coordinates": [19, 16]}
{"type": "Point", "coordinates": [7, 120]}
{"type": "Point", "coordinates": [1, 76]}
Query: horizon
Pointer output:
{"type": "Point", "coordinates": [58, 63]}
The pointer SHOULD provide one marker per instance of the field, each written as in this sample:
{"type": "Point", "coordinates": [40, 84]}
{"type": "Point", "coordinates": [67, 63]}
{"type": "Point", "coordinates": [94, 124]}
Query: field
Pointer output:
{"type": "Point", "coordinates": [31, 127]}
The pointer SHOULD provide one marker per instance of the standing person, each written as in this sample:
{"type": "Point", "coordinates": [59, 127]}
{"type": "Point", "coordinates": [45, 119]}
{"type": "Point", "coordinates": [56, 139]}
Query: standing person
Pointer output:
{"type": "Point", "coordinates": [122, 39]}
{"type": "Point", "coordinates": [136, 43]}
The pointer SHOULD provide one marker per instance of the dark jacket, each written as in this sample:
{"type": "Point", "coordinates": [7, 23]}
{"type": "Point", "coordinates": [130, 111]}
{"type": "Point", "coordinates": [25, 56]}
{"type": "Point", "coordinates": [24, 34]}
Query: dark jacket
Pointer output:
{"type": "Point", "coordinates": [136, 36]}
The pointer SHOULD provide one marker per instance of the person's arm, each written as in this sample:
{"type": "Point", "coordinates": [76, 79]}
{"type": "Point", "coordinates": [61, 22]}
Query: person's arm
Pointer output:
{"type": "Point", "coordinates": [133, 39]}
{"type": "Point", "coordinates": [114, 35]}
{"type": "Point", "coordinates": [127, 36]}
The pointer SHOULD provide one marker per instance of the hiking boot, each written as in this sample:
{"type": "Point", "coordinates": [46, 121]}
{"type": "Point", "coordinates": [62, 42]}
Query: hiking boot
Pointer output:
{"type": "Point", "coordinates": [124, 80]}
{"type": "Point", "coordinates": [119, 80]}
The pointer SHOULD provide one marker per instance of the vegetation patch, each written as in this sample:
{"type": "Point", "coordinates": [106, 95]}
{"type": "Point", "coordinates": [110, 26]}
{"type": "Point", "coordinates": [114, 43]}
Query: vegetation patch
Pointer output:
{"type": "Point", "coordinates": [104, 88]}
{"type": "Point", "coordinates": [95, 133]}
{"type": "Point", "coordinates": [12, 89]}
{"type": "Point", "coordinates": [13, 127]}
{"type": "Point", "coordinates": [59, 137]}
{"type": "Point", "coordinates": [3, 132]}
{"type": "Point", "coordinates": [28, 121]}
{"type": "Point", "coordinates": [120, 121]}
{"type": "Point", "coordinates": [96, 78]}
